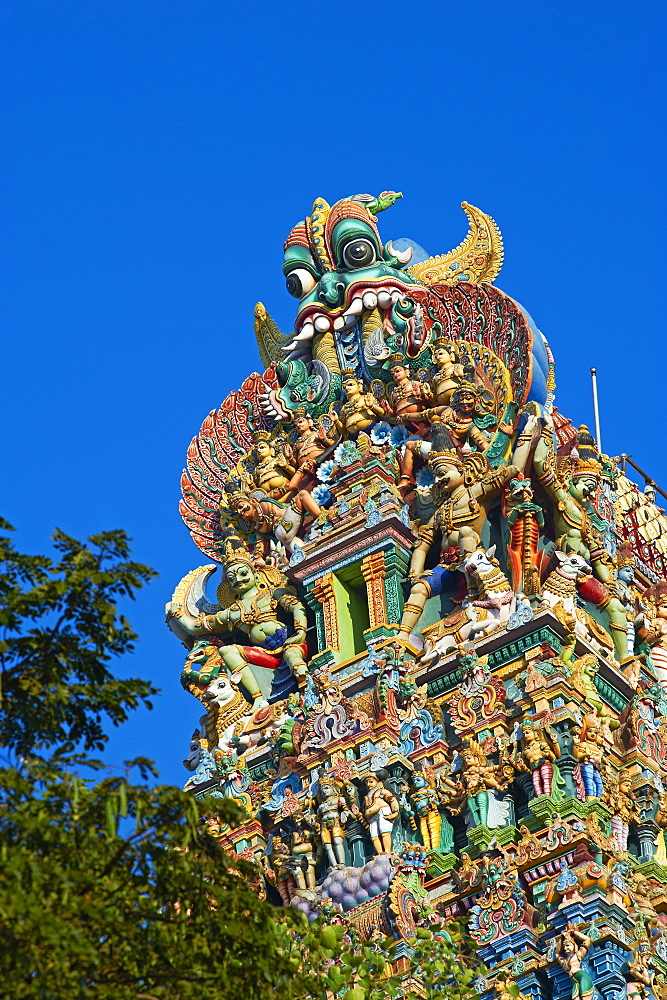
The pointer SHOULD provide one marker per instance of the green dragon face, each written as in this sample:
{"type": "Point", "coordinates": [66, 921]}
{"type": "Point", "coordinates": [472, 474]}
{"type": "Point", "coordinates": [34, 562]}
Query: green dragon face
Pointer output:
{"type": "Point", "coordinates": [351, 289]}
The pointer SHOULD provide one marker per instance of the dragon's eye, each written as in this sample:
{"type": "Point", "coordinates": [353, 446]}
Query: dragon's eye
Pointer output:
{"type": "Point", "coordinates": [300, 282]}
{"type": "Point", "coordinates": [359, 253]}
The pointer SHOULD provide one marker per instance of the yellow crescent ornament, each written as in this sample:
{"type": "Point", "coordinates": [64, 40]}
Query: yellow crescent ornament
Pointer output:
{"type": "Point", "coordinates": [478, 259]}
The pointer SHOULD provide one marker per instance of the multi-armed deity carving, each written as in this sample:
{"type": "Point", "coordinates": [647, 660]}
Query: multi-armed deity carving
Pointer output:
{"type": "Point", "coordinates": [440, 622]}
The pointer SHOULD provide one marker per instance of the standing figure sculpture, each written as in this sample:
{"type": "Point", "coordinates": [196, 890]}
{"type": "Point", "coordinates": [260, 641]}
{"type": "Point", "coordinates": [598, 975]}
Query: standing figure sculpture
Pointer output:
{"type": "Point", "coordinates": [479, 781]}
{"type": "Point", "coordinates": [464, 490]}
{"type": "Point", "coordinates": [577, 525]}
{"type": "Point", "coordinates": [332, 814]}
{"type": "Point", "coordinates": [380, 811]}
{"type": "Point", "coordinates": [537, 754]}
{"type": "Point", "coordinates": [424, 811]}
{"type": "Point", "coordinates": [589, 750]}
{"type": "Point", "coordinates": [621, 802]}
{"type": "Point", "coordinates": [570, 952]}
{"type": "Point", "coordinates": [309, 446]}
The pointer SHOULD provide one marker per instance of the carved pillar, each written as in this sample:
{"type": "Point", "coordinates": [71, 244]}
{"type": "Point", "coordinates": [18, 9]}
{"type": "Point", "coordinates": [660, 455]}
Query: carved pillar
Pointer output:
{"type": "Point", "coordinates": [374, 572]}
{"type": "Point", "coordinates": [647, 833]}
{"type": "Point", "coordinates": [396, 563]}
{"type": "Point", "coordinates": [322, 593]}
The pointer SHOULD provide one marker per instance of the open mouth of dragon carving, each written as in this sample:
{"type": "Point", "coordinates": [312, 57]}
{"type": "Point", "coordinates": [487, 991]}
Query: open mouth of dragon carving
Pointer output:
{"type": "Point", "coordinates": [376, 316]}
{"type": "Point", "coordinates": [362, 300]}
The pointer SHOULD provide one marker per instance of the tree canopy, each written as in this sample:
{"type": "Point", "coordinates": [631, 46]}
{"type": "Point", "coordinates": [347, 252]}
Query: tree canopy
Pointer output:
{"type": "Point", "coordinates": [112, 887]}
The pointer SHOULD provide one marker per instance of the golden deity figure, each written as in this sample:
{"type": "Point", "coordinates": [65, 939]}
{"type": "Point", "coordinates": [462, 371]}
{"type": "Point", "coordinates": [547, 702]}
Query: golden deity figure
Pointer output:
{"type": "Point", "coordinates": [464, 490]}
{"type": "Point", "coordinates": [270, 473]}
{"type": "Point", "coordinates": [360, 409]}
{"type": "Point", "coordinates": [259, 595]}
{"type": "Point", "coordinates": [446, 375]}
{"type": "Point", "coordinates": [309, 446]}
{"type": "Point", "coordinates": [407, 396]}
{"type": "Point", "coordinates": [380, 810]}
{"type": "Point", "coordinates": [424, 808]}
{"type": "Point", "coordinates": [572, 486]}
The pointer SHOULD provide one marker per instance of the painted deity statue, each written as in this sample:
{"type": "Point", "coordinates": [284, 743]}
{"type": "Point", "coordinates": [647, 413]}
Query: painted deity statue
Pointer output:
{"type": "Point", "coordinates": [652, 629]}
{"type": "Point", "coordinates": [571, 950]}
{"type": "Point", "coordinates": [589, 749]}
{"type": "Point", "coordinates": [446, 374]}
{"type": "Point", "coordinates": [360, 409]}
{"type": "Point", "coordinates": [380, 811]}
{"type": "Point", "coordinates": [626, 588]}
{"type": "Point", "coordinates": [303, 850]}
{"type": "Point", "coordinates": [479, 780]}
{"type": "Point", "coordinates": [621, 801]}
{"type": "Point", "coordinates": [577, 525]}
{"type": "Point", "coordinates": [269, 472]}
{"type": "Point", "coordinates": [407, 397]}
{"type": "Point", "coordinates": [260, 521]}
{"type": "Point", "coordinates": [537, 755]}
{"type": "Point", "coordinates": [332, 814]}
{"type": "Point", "coordinates": [308, 448]}
{"type": "Point", "coordinates": [258, 596]}
{"type": "Point", "coordinates": [465, 489]}
{"type": "Point", "coordinates": [424, 811]}
{"type": "Point", "coordinates": [460, 417]}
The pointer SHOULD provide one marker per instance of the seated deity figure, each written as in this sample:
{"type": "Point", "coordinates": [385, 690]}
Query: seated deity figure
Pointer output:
{"type": "Point", "coordinates": [259, 594]}
{"type": "Point", "coordinates": [459, 418]}
{"type": "Point", "coordinates": [259, 520]}
{"type": "Point", "coordinates": [406, 395]}
{"type": "Point", "coordinates": [446, 375]}
{"type": "Point", "coordinates": [464, 490]}
{"type": "Point", "coordinates": [309, 446]}
{"type": "Point", "coordinates": [270, 473]}
{"type": "Point", "coordinates": [360, 409]}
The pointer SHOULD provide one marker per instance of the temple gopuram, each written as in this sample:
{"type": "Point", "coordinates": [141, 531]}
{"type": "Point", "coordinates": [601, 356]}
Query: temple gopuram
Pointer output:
{"type": "Point", "coordinates": [429, 638]}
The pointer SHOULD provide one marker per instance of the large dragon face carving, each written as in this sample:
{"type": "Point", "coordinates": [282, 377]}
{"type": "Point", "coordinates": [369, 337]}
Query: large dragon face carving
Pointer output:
{"type": "Point", "coordinates": [351, 288]}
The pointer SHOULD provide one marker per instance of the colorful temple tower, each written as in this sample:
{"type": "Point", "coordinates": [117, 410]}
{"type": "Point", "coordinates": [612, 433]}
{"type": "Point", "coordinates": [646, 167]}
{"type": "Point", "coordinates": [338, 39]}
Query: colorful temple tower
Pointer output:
{"type": "Point", "coordinates": [433, 663]}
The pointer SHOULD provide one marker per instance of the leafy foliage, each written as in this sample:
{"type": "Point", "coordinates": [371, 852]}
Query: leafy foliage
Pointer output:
{"type": "Point", "coordinates": [114, 889]}
{"type": "Point", "coordinates": [60, 630]}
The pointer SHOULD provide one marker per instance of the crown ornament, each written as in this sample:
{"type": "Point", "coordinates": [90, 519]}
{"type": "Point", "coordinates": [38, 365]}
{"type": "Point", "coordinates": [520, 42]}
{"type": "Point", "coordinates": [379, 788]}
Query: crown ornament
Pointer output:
{"type": "Point", "coordinates": [234, 551]}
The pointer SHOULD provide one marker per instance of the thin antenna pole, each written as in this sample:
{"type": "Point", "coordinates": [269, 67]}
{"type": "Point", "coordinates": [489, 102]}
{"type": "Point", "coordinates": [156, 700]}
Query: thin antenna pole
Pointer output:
{"type": "Point", "coordinates": [596, 410]}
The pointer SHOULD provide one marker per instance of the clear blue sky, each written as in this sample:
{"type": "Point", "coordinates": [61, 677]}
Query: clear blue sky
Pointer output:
{"type": "Point", "coordinates": [154, 156]}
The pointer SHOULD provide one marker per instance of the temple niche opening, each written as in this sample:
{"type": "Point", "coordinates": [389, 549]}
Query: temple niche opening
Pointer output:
{"type": "Point", "coordinates": [430, 637]}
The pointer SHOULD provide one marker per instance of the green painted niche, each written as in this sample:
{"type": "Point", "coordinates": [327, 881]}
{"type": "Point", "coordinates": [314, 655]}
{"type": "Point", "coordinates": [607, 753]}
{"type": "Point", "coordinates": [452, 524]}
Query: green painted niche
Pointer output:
{"type": "Point", "coordinates": [352, 604]}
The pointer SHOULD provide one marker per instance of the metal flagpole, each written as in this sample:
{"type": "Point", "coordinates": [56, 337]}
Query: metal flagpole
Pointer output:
{"type": "Point", "coordinates": [596, 410]}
